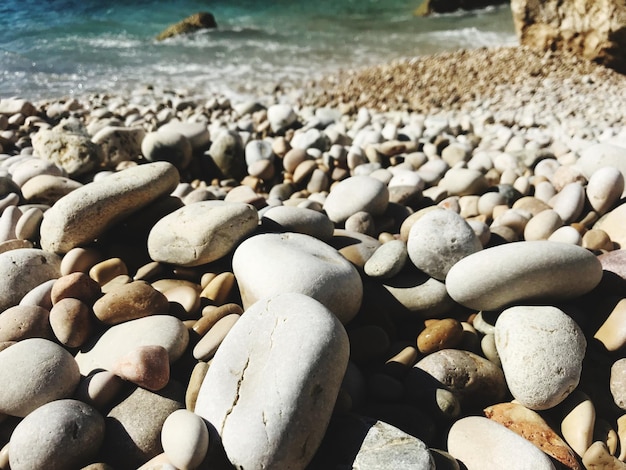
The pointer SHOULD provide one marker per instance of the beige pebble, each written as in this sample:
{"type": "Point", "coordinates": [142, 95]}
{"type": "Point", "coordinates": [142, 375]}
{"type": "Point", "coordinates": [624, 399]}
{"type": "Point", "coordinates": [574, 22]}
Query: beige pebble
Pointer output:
{"type": "Point", "coordinates": [208, 344]}
{"type": "Point", "coordinates": [14, 244]}
{"type": "Point", "coordinates": [80, 260]}
{"type": "Point", "coordinates": [531, 204]}
{"type": "Point", "coordinates": [542, 225]}
{"type": "Point", "coordinates": [598, 457]}
{"type": "Point", "coordinates": [442, 334]}
{"type": "Point", "coordinates": [27, 227]}
{"type": "Point", "coordinates": [39, 295]}
{"type": "Point", "coordinates": [185, 296]}
{"type": "Point", "coordinates": [402, 362]}
{"type": "Point", "coordinates": [566, 234]}
{"type": "Point", "coordinates": [71, 322]}
{"type": "Point", "coordinates": [621, 434]}
{"type": "Point", "coordinates": [219, 288]}
{"type": "Point", "coordinates": [194, 384]}
{"type": "Point", "coordinates": [578, 424]}
{"type": "Point", "coordinates": [185, 439]}
{"type": "Point", "coordinates": [149, 271]}
{"type": "Point", "coordinates": [146, 366]}
{"type": "Point", "coordinates": [605, 188]}
{"type": "Point", "coordinates": [596, 239]}
{"type": "Point", "coordinates": [212, 314]}
{"type": "Point", "coordinates": [116, 282]}
{"type": "Point", "coordinates": [604, 432]}
{"type": "Point", "coordinates": [25, 321]}
{"type": "Point", "coordinates": [612, 333]}
{"type": "Point", "coordinates": [99, 388]}
{"type": "Point", "coordinates": [130, 301]}
{"type": "Point", "coordinates": [76, 285]}
{"type": "Point", "coordinates": [106, 270]}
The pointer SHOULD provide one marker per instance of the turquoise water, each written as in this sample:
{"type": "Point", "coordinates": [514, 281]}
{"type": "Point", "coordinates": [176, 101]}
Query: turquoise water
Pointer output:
{"type": "Point", "coordinates": [58, 48]}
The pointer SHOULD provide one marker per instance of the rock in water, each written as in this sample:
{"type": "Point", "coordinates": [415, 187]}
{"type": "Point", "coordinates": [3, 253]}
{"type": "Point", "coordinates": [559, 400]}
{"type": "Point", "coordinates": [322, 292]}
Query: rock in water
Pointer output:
{"type": "Point", "coordinates": [195, 22]}
{"type": "Point", "coordinates": [592, 30]}
{"type": "Point", "coordinates": [82, 215]}
{"type": "Point", "coordinates": [273, 382]}
{"type": "Point", "coordinates": [542, 350]}
{"type": "Point", "coordinates": [538, 270]}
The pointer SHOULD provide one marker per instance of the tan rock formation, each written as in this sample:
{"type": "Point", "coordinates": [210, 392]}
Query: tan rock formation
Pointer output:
{"type": "Point", "coordinates": [195, 22]}
{"type": "Point", "coordinates": [593, 29]}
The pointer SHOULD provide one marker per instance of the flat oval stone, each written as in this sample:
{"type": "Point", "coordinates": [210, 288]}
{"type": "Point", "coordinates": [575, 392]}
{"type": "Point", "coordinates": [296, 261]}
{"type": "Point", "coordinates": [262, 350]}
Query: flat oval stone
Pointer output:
{"type": "Point", "coordinates": [25, 321]}
{"type": "Point", "coordinates": [48, 189]}
{"type": "Point", "coordinates": [482, 444]}
{"type": "Point", "coordinates": [71, 222]}
{"type": "Point", "coordinates": [77, 286]}
{"type": "Point", "coordinates": [542, 225]}
{"type": "Point", "coordinates": [160, 330]}
{"type": "Point", "coordinates": [58, 435]}
{"type": "Point", "coordinates": [130, 301]}
{"type": "Point", "coordinates": [185, 439]}
{"type": "Point", "coordinates": [438, 240]}
{"type": "Point", "coordinates": [420, 294]}
{"type": "Point", "coordinates": [539, 270]}
{"type": "Point", "coordinates": [569, 202]}
{"type": "Point", "coordinates": [299, 220]}
{"type": "Point", "coordinates": [474, 379]}
{"type": "Point", "coordinates": [270, 263]}
{"type": "Point", "coordinates": [541, 350]}
{"type": "Point", "coordinates": [276, 419]}
{"type": "Point", "coordinates": [24, 269]}
{"type": "Point", "coordinates": [355, 194]}
{"type": "Point", "coordinates": [201, 232]}
{"type": "Point", "coordinates": [463, 181]}
{"type": "Point", "coordinates": [33, 372]}
{"type": "Point", "coordinates": [388, 260]}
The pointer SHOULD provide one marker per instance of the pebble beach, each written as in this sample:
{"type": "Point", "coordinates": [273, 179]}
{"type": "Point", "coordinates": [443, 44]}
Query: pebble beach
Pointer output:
{"type": "Point", "coordinates": [412, 265]}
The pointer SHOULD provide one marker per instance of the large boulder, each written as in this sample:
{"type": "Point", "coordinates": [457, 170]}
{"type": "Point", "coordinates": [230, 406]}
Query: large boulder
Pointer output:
{"type": "Point", "coordinates": [593, 30]}
{"type": "Point", "coordinates": [195, 22]}
{"type": "Point", "coordinates": [447, 6]}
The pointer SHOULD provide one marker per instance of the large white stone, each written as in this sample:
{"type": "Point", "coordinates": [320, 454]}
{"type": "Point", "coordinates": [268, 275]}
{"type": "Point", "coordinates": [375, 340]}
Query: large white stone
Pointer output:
{"type": "Point", "coordinates": [438, 240]}
{"type": "Point", "coordinates": [82, 215]}
{"type": "Point", "coordinates": [201, 232]}
{"type": "Point", "coordinates": [541, 349]}
{"type": "Point", "coordinates": [536, 270]}
{"type": "Point", "coordinates": [33, 372]}
{"type": "Point", "coordinates": [356, 194]}
{"type": "Point", "coordinates": [275, 263]}
{"type": "Point", "coordinates": [482, 444]}
{"type": "Point", "coordinates": [273, 382]}
{"type": "Point", "coordinates": [58, 435]}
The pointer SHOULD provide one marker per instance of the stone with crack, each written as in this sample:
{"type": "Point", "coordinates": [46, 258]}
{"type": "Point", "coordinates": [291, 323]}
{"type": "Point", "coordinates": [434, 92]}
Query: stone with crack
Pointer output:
{"type": "Point", "coordinates": [273, 383]}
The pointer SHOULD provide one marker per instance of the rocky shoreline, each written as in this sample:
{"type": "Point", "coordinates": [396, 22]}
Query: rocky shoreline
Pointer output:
{"type": "Point", "coordinates": [361, 273]}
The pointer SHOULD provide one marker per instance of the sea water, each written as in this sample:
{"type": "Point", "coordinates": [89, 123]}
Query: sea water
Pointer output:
{"type": "Point", "coordinates": [64, 48]}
